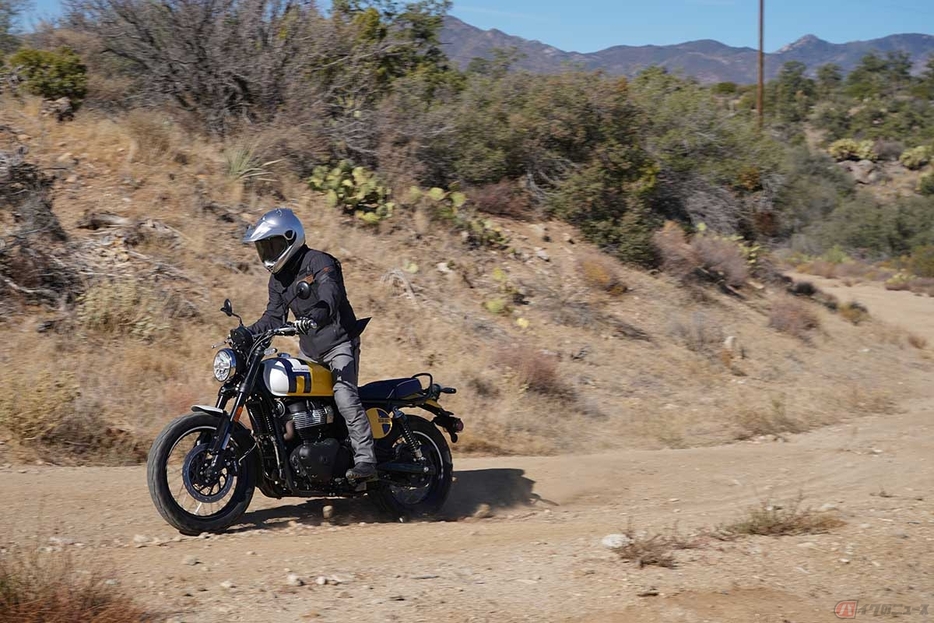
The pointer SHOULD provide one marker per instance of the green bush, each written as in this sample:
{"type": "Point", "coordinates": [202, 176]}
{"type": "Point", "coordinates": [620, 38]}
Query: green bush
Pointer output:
{"type": "Point", "coordinates": [916, 157]}
{"type": "Point", "coordinates": [52, 75]}
{"type": "Point", "coordinates": [926, 184]}
{"type": "Point", "coordinates": [851, 149]}
{"type": "Point", "coordinates": [922, 261]}
{"type": "Point", "coordinates": [354, 190]}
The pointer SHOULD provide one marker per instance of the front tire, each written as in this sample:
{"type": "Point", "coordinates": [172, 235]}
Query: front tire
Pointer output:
{"type": "Point", "coordinates": [427, 499]}
{"type": "Point", "coordinates": [178, 483]}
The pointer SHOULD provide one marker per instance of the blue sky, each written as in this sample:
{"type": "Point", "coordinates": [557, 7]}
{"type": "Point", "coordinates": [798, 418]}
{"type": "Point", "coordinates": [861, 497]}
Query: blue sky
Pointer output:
{"type": "Point", "coordinates": [590, 25]}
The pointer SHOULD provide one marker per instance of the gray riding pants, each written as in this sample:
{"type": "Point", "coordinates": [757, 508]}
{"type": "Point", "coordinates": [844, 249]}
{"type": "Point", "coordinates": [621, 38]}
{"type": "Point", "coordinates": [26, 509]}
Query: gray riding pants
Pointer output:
{"type": "Point", "coordinates": [344, 362]}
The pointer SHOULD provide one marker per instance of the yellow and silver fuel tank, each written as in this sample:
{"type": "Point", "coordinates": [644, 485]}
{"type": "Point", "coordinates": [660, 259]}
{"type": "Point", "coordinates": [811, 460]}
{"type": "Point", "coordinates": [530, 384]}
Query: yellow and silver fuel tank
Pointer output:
{"type": "Point", "coordinates": [288, 376]}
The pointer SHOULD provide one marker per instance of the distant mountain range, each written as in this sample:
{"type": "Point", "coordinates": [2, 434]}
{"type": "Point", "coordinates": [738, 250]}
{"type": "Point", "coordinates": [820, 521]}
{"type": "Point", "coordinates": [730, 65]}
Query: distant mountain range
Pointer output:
{"type": "Point", "coordinates": [709, 61]}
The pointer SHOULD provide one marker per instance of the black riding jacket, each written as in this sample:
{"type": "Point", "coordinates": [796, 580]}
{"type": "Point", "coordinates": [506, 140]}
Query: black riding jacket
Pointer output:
{"type": "Point", "coordinates": [323, 273]}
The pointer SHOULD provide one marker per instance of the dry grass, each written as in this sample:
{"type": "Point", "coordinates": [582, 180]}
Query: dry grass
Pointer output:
{"type": "Point", "coordinates": [768, 519]}
{"type": "Point", "coordinates": [853, 312]}
{"type": "Point", "coordinates": [537, 371]}
{"type": "Point", "coordinates": [679, 258]}
{"type": "Point", "coordinates": [655, 549]}
{"type": "Point", "coordinates": [602, 273]}
{"type": "Point", "coordinates": [154, 136]}
{"type": "Point", "coordinates": [794, 317]}
{"type": "Point", "coordinates": [48, 588]}
{"type": "Point", "coordinates": [771, 419]}
{"type": "Point", "coordinates": [722, 258]}
{"type": "Point", "coordinates": [621, 377]}
{"type": "Point", "coordinates": [698, 333]}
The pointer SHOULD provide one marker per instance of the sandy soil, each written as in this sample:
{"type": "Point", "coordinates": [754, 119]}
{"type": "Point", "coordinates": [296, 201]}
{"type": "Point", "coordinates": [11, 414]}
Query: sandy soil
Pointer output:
{"type": "Point", "coordinates": [538, 555]}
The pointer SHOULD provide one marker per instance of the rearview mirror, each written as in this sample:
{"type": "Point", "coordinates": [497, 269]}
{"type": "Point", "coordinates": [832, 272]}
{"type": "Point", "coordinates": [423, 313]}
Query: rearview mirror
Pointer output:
{"type": "Point", "coordinates": [303, 290]}
{"type": "Point", "coordinates": [227, 308]}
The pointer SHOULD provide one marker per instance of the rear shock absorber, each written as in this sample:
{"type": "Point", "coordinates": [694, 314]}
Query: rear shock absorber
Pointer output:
{"type": "Point", "coordinates": [407, 434]}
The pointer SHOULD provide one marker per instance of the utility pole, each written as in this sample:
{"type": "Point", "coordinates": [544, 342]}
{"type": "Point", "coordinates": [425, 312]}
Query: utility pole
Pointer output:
{"type": "Point", "coordinates": [760, 96]}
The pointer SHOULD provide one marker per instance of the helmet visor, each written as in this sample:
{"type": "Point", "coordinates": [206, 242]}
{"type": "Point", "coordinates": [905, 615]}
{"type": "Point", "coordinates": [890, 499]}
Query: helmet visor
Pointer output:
{"type": "Point", "coordinates": [271, 249]}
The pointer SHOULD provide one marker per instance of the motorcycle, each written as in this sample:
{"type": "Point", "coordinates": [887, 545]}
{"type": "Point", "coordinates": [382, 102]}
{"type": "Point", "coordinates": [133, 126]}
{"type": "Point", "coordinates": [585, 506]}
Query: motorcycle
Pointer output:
{"type": "Point", "coordinates": [204, 466]}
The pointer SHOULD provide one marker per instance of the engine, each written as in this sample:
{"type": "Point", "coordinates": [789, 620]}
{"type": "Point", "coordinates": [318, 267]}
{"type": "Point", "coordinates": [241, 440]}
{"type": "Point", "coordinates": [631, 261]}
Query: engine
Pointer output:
{"type": "Point", "coordinates": [306, 416]}
{"type": "Point", "coordinates": [317, 457]}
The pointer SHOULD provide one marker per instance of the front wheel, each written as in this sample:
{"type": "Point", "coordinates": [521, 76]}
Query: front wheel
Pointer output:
{"type": "Point", "coordinates": [421, 496]}
{"type": "Point", "coordinates": [185, 491]}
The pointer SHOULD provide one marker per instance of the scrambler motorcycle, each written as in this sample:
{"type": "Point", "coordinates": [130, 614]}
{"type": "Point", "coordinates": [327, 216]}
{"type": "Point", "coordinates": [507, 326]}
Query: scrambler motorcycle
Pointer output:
{"type": "Point", "coordinates": [203, 468]}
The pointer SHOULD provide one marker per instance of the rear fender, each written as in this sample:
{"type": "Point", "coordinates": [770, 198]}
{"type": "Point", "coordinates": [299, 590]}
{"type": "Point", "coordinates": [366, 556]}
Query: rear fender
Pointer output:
{"type": "Point", "coordinates": [444, 419]}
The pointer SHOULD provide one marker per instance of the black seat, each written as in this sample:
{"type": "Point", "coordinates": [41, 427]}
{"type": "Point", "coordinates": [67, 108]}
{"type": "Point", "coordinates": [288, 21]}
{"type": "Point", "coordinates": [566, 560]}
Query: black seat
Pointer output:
{"type": "Point", "coordinates": [390, 390]}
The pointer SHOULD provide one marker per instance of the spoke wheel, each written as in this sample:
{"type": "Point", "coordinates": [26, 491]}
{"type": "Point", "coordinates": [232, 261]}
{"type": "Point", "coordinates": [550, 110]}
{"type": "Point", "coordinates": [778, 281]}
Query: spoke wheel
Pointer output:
{"type": "Point", "coordinates": [191, 490]}
{"type": "Point", "coordinates": [420, 495]}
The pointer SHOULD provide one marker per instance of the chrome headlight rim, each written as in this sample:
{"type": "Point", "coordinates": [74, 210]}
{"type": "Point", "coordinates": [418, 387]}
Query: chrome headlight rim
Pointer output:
{"type": "Point", "coordinates": [226, 365]}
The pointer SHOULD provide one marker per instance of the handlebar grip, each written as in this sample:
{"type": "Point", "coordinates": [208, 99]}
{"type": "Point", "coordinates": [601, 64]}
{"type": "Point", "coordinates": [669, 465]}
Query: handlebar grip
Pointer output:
{"type": "Point", "coordinates": [448, 390]}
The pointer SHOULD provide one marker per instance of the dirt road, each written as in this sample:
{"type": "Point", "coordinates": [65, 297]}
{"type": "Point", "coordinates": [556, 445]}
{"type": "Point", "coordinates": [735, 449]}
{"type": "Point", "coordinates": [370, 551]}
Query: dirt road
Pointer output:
{"type": "Point", "coordinates": [539, 556]}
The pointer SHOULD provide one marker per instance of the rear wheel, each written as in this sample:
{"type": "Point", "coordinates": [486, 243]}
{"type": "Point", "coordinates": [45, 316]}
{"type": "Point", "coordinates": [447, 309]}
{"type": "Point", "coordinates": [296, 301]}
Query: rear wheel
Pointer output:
{"type": "Point", "coordinates": [183, 488]}
{"type": "Point", "coordinates": [421, 495]}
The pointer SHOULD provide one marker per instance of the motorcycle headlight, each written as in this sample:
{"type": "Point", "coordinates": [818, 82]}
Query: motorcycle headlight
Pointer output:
{"type": "Point", "coordinates": [225, 365]}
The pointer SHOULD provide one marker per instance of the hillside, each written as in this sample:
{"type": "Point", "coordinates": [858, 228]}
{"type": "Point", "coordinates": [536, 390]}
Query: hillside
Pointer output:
{"type": "Point", "coordinates": [644, 360]}
{"type": "Point", "coordinates": [708, 61]}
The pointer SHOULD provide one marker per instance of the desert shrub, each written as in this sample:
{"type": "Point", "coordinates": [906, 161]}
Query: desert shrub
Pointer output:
{"type": "Point", "coordinates": [503, 198]}
{"type": "Point", "coordinates": [678, 257]}
{"type": "Point", "coordinates": [152, 134]}
{"type": "Point", "coordinates": [536, 371]}
{"type": "Point", "coordinates": [54, 419]}
{"type": "Point", "coordinates": [921, 262]}
{"type": "Point", "coordinates": [851, 149]}
{"type": "Point", "coordinates": [122, 308]}
{"type": "Point", "coordinates": [771, 419]}
{"type": "Point", "coordinates": [244, 163]}
{"type": "Point", "coordinates": [601, 273]}
{"type": "Point", "coordinates": [698, 333]}
{"type": "Point", "coordinates": [916, 157]}
{"type": "Point", "coordinates": [793, 316]}
{"type": "Point", "coordinates": [926, 184]}
{"type": "Point", "coordinates": [898, 282]}
{"type": "Point", "coordinates": [888, 150]}
{"type": "Point", "coordinates": [52, 75]}
{"type": "Point", "coordinates": [774, 519]}
{"type": "Point", "coordinates": [722, 258]}
{"type": "Point", "coordinates": [854, 312]}
{"type": "Point", "coordinates": [50, 588]}
{"type": "Point", "coordinates": [655, 549]}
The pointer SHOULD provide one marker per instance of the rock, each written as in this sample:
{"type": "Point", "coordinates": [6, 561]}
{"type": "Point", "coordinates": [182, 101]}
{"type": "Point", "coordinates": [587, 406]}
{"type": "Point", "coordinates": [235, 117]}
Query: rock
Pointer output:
{"type": "Point", "coordinates": [227, 584]}
{"type": "Point", "coordinates": [397, 598]}
{"type": "Point", "coordinates": [542, 254]}
{"type": "Point", "coordinates": [61, 541]}
{"type": "Point", "coordinates": [443, 268]}
{"type": "Point", "coordinates": [862, 171]}
{"type": "Point", "coordinates": [344, 595]}
{"type": "Point", "coordinates": [865, 526]}
{"type": "Point", "coordinates": [62, 109]}
{"type": "Point", "coordinates": [649, 592]}
{"type": "Point", "coordinates": [540, 231]}
{"type": "Point", "coordinates": [615, 541]}
{"type": "Point", "coordinates": [807, 544]}
{"type": "Point", "coordinates": [825, 508]}
{"type": "Point", "coordinates": [321, 580]}
{"type": "Point", "coordinates": [140, 541]}
{"type": "Point", "coordinates": [293, 580]}
{"type": "Point", "coordinates": [483, 511]}
{"type": "Point", "coordinates": [567, 238]}
{"type": "Point", "coordinates": [71, 179]}
{"type": "Point", "coordinates": [327, 512]}
{"type": "Point", "coordinates": [845, 561]}
{"type": "Point", "coordinates": [190, 560]}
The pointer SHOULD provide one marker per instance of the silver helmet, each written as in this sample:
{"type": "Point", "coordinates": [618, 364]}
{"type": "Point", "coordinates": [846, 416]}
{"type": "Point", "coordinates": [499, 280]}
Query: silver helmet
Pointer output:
{"type": "Point", "coordinates": [277, 236]}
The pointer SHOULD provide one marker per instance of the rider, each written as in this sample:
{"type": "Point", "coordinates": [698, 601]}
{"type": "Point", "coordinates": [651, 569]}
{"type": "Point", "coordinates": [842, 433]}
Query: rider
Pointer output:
{"type": "Point", "coordinates": [330, 333]}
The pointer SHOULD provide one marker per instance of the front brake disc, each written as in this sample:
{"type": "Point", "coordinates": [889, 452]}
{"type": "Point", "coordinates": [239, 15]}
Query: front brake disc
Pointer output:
{"type": "Point", "coordinates": [195, 478]}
